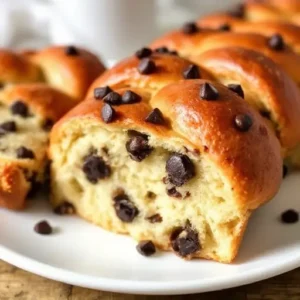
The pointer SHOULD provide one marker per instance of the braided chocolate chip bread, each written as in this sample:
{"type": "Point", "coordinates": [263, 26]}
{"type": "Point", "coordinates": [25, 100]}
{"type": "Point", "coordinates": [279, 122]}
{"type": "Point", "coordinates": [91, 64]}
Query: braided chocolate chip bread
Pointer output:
{"type": "Point", "coordinates": [183, 168]}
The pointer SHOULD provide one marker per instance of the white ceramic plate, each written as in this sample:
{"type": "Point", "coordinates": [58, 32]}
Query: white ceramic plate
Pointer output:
{"type": "Point", "coordinates": [85, 255]}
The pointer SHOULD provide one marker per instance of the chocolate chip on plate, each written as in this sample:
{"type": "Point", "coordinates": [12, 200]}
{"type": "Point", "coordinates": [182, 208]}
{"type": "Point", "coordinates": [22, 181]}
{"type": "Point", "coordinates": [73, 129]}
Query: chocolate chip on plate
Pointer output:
{"type": "Point", "coordinates": [180, 169]}
{"type": "Point", "coordinates": [290, 216]}
{"type": "Point", "coordinates": [190, 28]}
{"type": "Point", "coordinates": [43, 227]}
{"type": "Point", "coordinates": [143, 52]}
{"type": "Point", "coordinates": [101, 92]}
{"type": "Point", "coordinates": [124, 208]}
{"type": "Point", "coordinates": [108, 113]}
{"type": "Point", "coordinates": [113, 98]}
{"type": "Point", "coordinates": [71, 50]}
{"type": "Point", "coordinates": [156, 218]}
{"type": "Point", "coordinates": [146, 248]}
{"type": "Point", "coordinates": [130, 97]}
{"type": "Point", "coordinates": [9, 126]}
{"type": "Point", "coordinates": [276, 42]}
{"type": "Point", "coordinates": [19, 108]}
{"type": "Point", "coordinates": [23, 152]}
{"type": "Point", "coordinates": [155, 117]}
{"type": "Point", "coordinates": [237, 88]}
{"type": "Point", "coordinates": [185, 241]}
{"type": "Point", "coordinates": [138, 147]}
{"type": "Point", "coordinates": [225, 27]}
{"type": "Point", "coordinates": [65, 208]}
{"type": "Point", "coordinates": [208, 92]}
{"type": "Point", "coordinates": [146, 66]}
{"type": "Point", "coordinates": [243, 122]}
{"type": "Point", "coordinates": [191, 72]}
{"type": "Point", "coordinates": [95, 168]}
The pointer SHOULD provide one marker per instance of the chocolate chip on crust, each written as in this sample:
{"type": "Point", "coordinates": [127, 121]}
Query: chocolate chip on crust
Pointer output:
{"type": "Point", "coordinates": [243, 122]}
{"type": "Point", "coordinates": [237, 88]}
{"type": "Point", "coordinates": [143, 52]}
{"type": "Point", "coordinates": [191, 72]}
{"type": "Point", "coordinates": [101, 92]}
{"type": "Point", "coordinates": [155, 117]}
{"type": "Point", "coordinates": [113, 98]}
{"type": "Point", "coordinates": [108, 113]}
{"type": "Point", "coordinates": [146, 66]}
{"type": "Point", "coordinates": [71, 50]}
{"type": "Point", "coordinates": [208, 92]}
{"type": "Point", "coordinates": [130, 97]}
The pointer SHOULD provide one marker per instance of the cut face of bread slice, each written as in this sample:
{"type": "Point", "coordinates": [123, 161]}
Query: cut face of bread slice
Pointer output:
{"type": "Point", "coordinates": [27, 113]}
{"type": "Point", "coordinates": [184, 168]}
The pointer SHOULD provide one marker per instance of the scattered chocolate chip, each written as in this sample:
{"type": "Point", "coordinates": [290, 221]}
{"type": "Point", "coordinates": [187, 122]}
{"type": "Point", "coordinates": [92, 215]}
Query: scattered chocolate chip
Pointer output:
{"type": "Point", "coordinates": [284, 171]}
{"type": "Point", "coordinates": [146, 248]}
{"type": "Point", "coordinates": [130, 97]}
{"type": "Point", "coordinates": [95, 168]}
{"type": "Point", "coordinates": [146, 66]}
{"type": "Point", "coordinates": [65, 208]}
{"type": "Point", "coordinates": [143, 52]}
{"type": "Point", "coordinates": [191, 72]}
{"type": "Point", "coordinates": [101, 92]}
{"type": "Point", "coordinates": [208, 92]}
{"type": "Point", "coordinates": [9, 126]}
{"type": "Point", "coordinates": [43, 227]}
{"type": "Point", "coordinates": [238, 11]}
{"type": "Point", "coordinates": [180, 169]}
{"type": "Point", "coordinates": [224, 27]}
{"type": "Point", "coordinates": [23, 152]}
{"type": "Point", "coordinates": [163, 50]}
{"type": "Point", "coordinates": [237, 88]}
{"type": "Point", "coordinates": [155, 117]}
{"type": "Point", "coordinates": [108, 114]}
{"type": "Point", "coordinates": [290, 216]}
{"type": "Point", "coordinates": [276, 42]}
{"type": "Point", "coordinates": [185, 241]}
{"type": "Point", "coordinates": [190, 28]}
{"type": "Point", "coordinates": [48, 124]}
{"type": "Point", "coordinates": [71, 50]}
{"type": "Point", "coordinates": [243, 122]}
{"type": "Point", "coordinates": [113, 98]}
{"type": "Point", "coordinates": [124, 208]}
{"type": "Point", "coordinates": [138, 148]}
{"type": "Point", "coordinates": [19, 108]}
{"type": "Point", "coordinates": [172, 192]}
{"type": "Point", "coordinates": [155, 219]}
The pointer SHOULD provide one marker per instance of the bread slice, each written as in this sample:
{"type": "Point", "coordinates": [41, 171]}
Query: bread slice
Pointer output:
{"type": "Point", "coordinates": [184, 168]}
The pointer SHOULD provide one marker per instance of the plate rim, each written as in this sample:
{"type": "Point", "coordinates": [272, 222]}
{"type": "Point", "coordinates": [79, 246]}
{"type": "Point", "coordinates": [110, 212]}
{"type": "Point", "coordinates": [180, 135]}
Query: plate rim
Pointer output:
{"type": "Point", "coordinates": [146, 287]}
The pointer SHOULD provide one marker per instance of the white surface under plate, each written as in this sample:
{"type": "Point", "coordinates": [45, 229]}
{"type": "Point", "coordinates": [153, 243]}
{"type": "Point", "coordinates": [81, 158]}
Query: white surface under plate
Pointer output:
{"type": "Point", "coordinates": [82, 254]}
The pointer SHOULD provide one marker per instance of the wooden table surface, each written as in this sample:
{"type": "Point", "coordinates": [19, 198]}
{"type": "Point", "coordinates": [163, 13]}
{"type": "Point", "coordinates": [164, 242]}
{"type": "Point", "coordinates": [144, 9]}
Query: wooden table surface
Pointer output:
{"type": "Point", "coordinates": [20, 285]}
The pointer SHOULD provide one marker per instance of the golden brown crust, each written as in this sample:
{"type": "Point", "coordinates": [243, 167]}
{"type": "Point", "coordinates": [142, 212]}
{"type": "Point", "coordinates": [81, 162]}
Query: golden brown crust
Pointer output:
{"type": "Point", "coordinates": [263, 83]}
{"type": "Point", "coordinates": [169, 68]}
{"type": "Point", "coordinates": [71, 74]}
{"type": "Point", "coordinates": [250, 160]}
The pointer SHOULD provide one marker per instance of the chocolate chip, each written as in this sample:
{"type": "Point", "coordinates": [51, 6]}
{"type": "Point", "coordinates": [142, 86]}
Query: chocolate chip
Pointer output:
{"type": "Point", "coordinates": [65, 208]}
{"type": "Point", "coordinates": [180, 169]}
{"type": "Point", "coordinates": [43, 227]}
{"type": "Point", "coordinates": [191, 72]}
{"type": "Point", "coordinates": [190, 28]}
{"type": "Point", "coordinates": [130, 97]}
{"type": "Point", "coordinates": [237, 88]}
{"type": "Point", "coordinates": [108, 114]}
{"type": "Point", "coordinates": [208, 92]}
{"type": "Point", "coordinates": [276, 42]}
{"type": "Point", "coordinates": [266, 114]}
{"type": "Point", "coordinates": [146, 66]}
{"type": "Point", "coordinates": [185, 241]}
{"type": "Point", "coordinates": [173, 52]}
{"type": "Point", "coordinates": [71, 50]}
{"type": "Point", "coordinates": [124, 208]}
{"type": "Point", "coordinates": [290, 216]}
{"type": "Point", "coordinates": [155, 219]}
{"type": "Point", "coordinates": [146, 248]}
{"type": "Point", "coordinates": [284, 171]}
{"type": "Point", "coordinates": [238, 11]}
{"type": "Point", "coordinates": [150, 195]}
{"type": "Point", "coordinates": [224, 27]}
{"type": "Point", "coordinates": [155, 117]}
{"type": "Point", "coordinates": [172, 192]}
{"type": "Point", "coordinates": [23, 152]}
{"type": "Point", "coordinates": [9, 126]}
{"type": "Point", "coordinates": [101, 92]}
{"type": "Point", "coordinates": [162, 50]}
{"type": "Point", "coordinates": [95, 168]}
{"type": "Point", "coordinates": [113, 98]}
{"type": "Point", "coordinates": [138, 148]}
{"type": "Point", "coordinates": [48, 124]}
{"type": "Point", "coordinates": [143, 52]}
{"type": "Point", "coordinates": [243, 122]}
{"type": "Point", "coordinates": [19, 108]}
